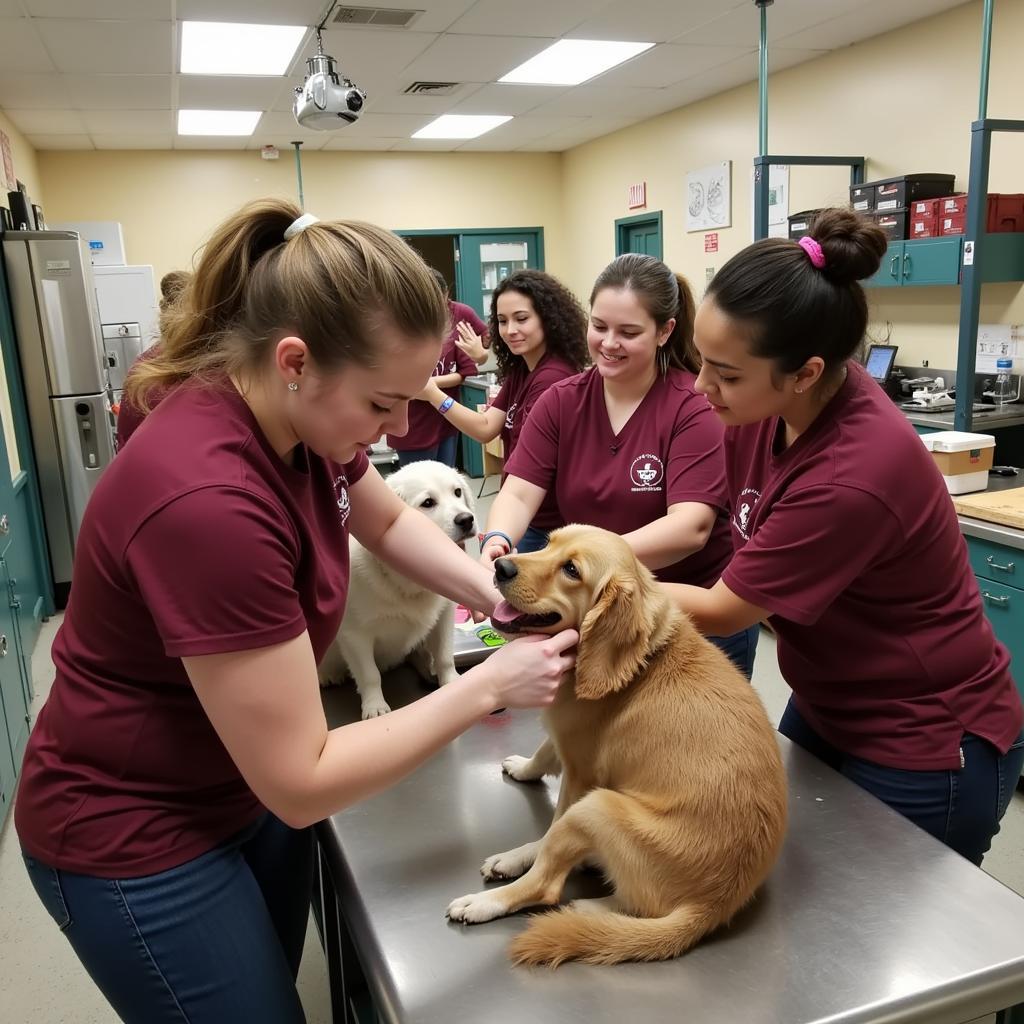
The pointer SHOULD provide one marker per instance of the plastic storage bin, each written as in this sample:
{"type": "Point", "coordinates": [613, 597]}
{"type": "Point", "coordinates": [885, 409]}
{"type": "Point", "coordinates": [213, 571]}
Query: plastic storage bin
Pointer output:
{"type": "Point", "coordinates": [963, 459]}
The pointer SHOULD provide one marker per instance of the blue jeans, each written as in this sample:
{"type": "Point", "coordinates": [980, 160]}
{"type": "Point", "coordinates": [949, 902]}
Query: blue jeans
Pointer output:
{"type": "Point", "coordinates": [740, 648]}
{"type": "Point", "coordinates": [532, 540]}
{"type": "Point", "coordinates": [441, 452]}
{"type": "Point", "coordinates": [961, 808]}
{"type": "Point", "coordinates": [213, 941]}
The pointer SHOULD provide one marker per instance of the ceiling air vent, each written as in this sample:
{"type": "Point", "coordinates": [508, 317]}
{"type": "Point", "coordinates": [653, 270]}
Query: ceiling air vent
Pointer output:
{"type": "Point", "coordinates": [432, 88]}
{"type": "Point", "coordinates": [377, 17]}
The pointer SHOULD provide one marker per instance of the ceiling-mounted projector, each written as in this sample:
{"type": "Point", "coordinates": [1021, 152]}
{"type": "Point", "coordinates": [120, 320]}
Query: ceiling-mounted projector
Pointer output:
{"type": "Point", "coordinates": [325, 101]}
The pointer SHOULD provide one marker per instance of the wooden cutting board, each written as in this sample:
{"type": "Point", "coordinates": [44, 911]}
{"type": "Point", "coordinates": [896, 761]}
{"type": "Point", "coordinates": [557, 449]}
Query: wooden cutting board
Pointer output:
{"type": "Point", "coordinates": [1004, 507]}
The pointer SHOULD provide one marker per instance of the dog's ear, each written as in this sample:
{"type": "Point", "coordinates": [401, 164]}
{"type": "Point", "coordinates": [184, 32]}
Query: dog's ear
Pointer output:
{"type": "Point", "coordinates": [467, 492]}
{"type": "Point", "coordinates": [614, 638]}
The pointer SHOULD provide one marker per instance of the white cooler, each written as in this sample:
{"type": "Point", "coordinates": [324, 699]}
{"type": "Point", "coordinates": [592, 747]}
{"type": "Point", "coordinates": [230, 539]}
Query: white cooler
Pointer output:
{"type": "Point", "coordinates": [963, 459]}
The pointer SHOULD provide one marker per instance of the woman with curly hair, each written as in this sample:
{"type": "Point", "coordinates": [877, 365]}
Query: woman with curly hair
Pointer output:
{"type": "Point", "coordinates": [540, 337]}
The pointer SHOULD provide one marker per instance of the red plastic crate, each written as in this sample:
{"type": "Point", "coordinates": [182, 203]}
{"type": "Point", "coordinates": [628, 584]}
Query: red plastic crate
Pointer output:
{"type": "Point", "coordinates": [923, 225]}
{"type": "Point", "coordinates": [1005, 213]}
{"type": "Point", "coordinates": [952, 223]}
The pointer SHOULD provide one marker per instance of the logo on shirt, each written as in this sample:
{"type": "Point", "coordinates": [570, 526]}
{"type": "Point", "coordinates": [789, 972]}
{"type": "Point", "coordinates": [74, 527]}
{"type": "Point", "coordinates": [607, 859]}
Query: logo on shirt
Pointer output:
{"type": "Point", "coordinates": [647, 473]}
{"type": "Point", "coordinates": [510, 416]}
{"type": "Point", "coordinates": [440, 371]}
{"type": "Point", "coordinates": [341, 494]}
{"type": "Point", "coordinates": [744, 509]}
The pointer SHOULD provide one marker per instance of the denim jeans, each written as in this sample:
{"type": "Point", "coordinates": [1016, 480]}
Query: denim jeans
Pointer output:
{"type": "Point", "coordinates": [444, 452]}
{"type": "Point", "coordinates": [740, 648]}
{"type": "Point", "coordinates": [532, 540]}
{"type": "Point", "coordinates": [960, 807]}
{"type": "Point", "coordinates": [213, 941]}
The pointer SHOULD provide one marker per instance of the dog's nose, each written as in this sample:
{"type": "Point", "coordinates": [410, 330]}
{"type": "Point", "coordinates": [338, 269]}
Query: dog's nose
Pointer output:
{"type": "Point", "coordinates": [464, 521]}
{"type": "Point", "coordinates": [505, 570]}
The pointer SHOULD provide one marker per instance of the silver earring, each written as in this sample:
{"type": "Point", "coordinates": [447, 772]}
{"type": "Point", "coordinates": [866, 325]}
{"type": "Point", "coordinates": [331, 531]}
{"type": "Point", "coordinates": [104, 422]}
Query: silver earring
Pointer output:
{"type": "Point", "coordinates": [293, 385]}
{"type": "Point", "coordinates": [799, 391]}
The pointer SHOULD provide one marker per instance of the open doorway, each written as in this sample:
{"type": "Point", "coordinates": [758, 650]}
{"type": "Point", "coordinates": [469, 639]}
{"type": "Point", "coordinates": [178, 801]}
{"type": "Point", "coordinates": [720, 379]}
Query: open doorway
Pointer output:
{"type": "Point", "coordinates": [438, 251]}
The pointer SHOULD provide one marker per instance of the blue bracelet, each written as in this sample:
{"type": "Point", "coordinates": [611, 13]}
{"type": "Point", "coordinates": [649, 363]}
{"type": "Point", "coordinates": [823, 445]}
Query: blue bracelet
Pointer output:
{"type": "Point", "coordinates": [496, 533]}
{"type": "Point", "coordinates": [445, 405]}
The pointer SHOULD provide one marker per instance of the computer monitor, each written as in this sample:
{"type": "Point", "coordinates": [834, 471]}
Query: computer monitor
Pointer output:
{"type": "Point", "coordinates": [880, 361]}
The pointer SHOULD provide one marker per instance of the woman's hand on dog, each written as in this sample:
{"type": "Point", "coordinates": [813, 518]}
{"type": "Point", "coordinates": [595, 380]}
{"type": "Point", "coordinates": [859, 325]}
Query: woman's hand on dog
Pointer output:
{"type": "Point", "coordinates": [527, 672]}
{"type": "Point", "coordinates": [494, 549]}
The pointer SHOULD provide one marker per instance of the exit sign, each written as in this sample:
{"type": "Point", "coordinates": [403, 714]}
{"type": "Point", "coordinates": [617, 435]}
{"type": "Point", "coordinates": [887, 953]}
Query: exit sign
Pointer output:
{"type": "Point", "coordinates": [638, 195]}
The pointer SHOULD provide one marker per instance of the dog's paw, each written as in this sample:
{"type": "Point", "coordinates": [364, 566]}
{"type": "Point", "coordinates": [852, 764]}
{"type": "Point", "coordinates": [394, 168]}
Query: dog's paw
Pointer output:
{"type": "Point", "coordinates": [375, 707]}
{"type": "Point", "coordinates": [510, 864]}
{"type": "Point", "coordinates": [475, 908]}
{"type": "Point", "coordinates": [328, 681]}
{"type": "Point", "coordinates": [521, 768]}
{"type": "Point", "coordinates": [446, 677]}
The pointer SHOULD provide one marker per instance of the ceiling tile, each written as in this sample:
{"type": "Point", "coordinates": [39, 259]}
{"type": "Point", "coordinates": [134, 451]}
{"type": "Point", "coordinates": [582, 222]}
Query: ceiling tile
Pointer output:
{"type": "Point", "coordinates": [474, 58]}
{"type": "Point", "coordinates": [228, 92]}
{"type": "Point", "coordinates": [871, 19]}
{"type": "Point", "coordinates": [374, 60]}
{"type": "Point", "coordinates": [210, 141]}
{"type": "Point", "coordinates": [566, 138]}
{"type": "Point", "coordinates": [741, 26]}
{"type": "Point", "coordinates": [427, 145]}
{"type": "Point", "coordinates": [276, 122]}
{"type": "Point", "coordinates": [122, 122]}
{"type": "Point", "coordinates": [507, 98]}
{"type": "Point", "coordinates": [667, 64]}
{"type": "Point", "coordinates": [161, 140]}
{"type": "Point", "coordinates": [387, 126]}
{"type": "Point", "coordinates": [42, 143]}
{"type": "Point", "coordinates": [310, 141]}
{"type": "Point", "coordinates": [539, 17]}
{"type": "Point", "coordinates": [652, 21]}
{"type": "Point", "coordinates": [28, 92]}
{"type": "Point", "coordinates": [119, 92]}
{"type": "Point", "coordinates": [400, 103]}
{"type": "Point", "coordinates": [602, 100]}
{"type": "Point", "coordinates": [341, 142]}
{"type": "Point", "coordinates": [47, 122]}
{"type": "Point", "coordinates": [158, 10]}
{"type": "Point", "coordinates": [522, 129]}
{"type": "Point", "coordinates": [438, 15]}
{"type": "Point", "coordinates": [127, 47]}
{"type": "Point", "coordinates": [11, 9]}
{"type": "Point", "coordinates": [21, 49]}
{"type": "Point", "coordinates": [253, 12]}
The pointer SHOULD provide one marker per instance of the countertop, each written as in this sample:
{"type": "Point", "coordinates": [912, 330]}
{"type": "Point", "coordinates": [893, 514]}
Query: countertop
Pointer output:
{"type": "Point", "coordinates": [995, 532]}
{"type": "Point", "coordinates": [865, 920]}
{"type": "Point", "coordinates": [1011, 416]}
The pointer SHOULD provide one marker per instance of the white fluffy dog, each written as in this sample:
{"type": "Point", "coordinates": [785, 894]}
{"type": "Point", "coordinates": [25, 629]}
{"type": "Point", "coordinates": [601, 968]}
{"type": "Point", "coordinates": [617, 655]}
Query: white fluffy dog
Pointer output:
{"type": "Point", "coordinates": [388, 617]}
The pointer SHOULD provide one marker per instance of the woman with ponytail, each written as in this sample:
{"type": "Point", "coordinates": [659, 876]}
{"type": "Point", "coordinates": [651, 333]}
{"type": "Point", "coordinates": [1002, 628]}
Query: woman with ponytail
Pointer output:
{"type": "Point", "coordinates": [172, 778]}
{"type": "Point", "coordinates": [629, 445]}
{"type": "Point", "coordinates": [845, 536]}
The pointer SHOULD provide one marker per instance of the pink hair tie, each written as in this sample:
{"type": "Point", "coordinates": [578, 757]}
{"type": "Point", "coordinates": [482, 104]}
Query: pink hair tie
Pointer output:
{"type": "Point", "coordinates": [814, 250]}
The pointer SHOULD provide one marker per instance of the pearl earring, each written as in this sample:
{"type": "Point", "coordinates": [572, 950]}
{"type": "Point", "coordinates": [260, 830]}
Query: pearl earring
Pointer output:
{"type": "Point", "coordinates": [799, 391]}
{"type": "Point", "coordinates": [293, 385]}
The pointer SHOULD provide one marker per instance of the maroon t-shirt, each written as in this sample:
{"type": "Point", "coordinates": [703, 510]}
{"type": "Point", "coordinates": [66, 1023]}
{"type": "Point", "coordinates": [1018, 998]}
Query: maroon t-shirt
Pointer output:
{"type": "Point", "coordinates": [669, 451]}
{"type": "Point", "coordinates": [427, 427]}
{"type": "Point", "coordinates": [198, 540]}
{"type": "Point", "coordinates": [129, 416]}
{"type": "Point", "coordinates": [520, 389]}
{"type": "Point", "coordinates": [850, 539]}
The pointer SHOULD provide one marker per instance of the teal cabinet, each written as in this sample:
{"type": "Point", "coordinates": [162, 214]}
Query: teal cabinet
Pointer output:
{"type": "Point", "coordinates": [924, 262]}
{"type": "Point", "coordinates": [999, 571]}
{"type": "Point", "coordinates": [472, 451]}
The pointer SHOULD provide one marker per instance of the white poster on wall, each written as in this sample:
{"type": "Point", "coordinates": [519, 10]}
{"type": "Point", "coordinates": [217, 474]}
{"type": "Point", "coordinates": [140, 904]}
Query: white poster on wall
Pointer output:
{"type": "Point", "coordinates": [709, 197]}
{"type": "Point", "coordinates": [778, 201]}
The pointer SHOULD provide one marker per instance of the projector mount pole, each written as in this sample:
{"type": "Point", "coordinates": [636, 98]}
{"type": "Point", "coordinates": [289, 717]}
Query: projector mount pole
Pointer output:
{"type": "Point", "coordinates": [298, 172]}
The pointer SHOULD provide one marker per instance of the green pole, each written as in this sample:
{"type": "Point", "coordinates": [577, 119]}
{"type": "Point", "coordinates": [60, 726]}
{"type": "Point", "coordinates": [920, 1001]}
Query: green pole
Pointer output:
{"type": "Point", "coordinates": [762, 84]}
{"type": "Point", "coordinates": [986, 48]}
{"type": "Point", "coordinates": [298, 172]}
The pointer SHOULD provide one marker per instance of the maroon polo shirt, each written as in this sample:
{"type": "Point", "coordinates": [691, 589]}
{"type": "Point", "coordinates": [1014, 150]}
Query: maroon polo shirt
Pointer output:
{"type": "Point", "coordinates": [427, 427]}
{"type": "Point", "coordinates": [519, 391]}
{"type": "Point", "coordinates": [198, 540]}
{"type": "Point", "coordinates": [850, 539]}
{"type": "Point", "coordinates": [669, 451]}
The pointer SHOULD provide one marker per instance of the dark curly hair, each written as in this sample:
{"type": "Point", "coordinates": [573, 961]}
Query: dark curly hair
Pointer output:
{"type": "Point", "coordinates": [562, 317]}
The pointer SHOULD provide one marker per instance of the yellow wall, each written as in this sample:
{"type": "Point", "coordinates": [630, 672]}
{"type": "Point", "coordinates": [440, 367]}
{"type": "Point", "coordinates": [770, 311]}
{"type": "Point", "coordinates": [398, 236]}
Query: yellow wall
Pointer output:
{"type": "Point", "coordinates": [167, 202]}
{"type": "Point", "coordinates": [26, 164]}
{"type": "Point", "coordinates": [904, 100]}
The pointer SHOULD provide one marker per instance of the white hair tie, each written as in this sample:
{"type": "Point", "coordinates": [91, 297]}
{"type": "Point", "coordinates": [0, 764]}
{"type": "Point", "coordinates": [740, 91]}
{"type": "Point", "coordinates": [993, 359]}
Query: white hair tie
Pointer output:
{"type": "Point", "coordinates": [299, 224]}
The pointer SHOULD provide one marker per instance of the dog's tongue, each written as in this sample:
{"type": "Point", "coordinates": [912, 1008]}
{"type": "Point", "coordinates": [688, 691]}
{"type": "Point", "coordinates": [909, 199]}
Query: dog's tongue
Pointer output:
{"type": "Point", "coordinates": [504, 614]}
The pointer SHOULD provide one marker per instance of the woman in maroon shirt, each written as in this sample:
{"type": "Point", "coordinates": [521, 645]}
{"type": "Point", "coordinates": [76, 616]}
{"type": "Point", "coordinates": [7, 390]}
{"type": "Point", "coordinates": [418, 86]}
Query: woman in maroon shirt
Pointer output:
{"type": "Point", "coordinates": [629, 445]}
{"type": "Point", "coordinates": [845, 536]}
{"type": "Point", "coordinates": [172, 777]}
{"type": "Point", "coordinates": [539, 337]}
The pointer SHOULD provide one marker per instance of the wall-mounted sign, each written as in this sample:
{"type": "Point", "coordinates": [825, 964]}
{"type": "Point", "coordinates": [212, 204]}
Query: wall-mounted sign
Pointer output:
{"type": "Point", "coordinates": [638, 195]}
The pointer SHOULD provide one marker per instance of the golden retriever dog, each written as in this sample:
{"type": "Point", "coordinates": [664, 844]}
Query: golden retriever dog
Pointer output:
{"type": "Point", "coordinates": [671, 775]}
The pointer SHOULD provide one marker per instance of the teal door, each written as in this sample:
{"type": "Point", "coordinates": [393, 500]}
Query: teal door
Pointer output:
{"type": "Point", "coordinates": [928, 261]}
{"type": "Point", "coordinates": [641, 234]}
{"type": "Point", "coordinates": [485, 259]}
{"type": "Point", "coordinates": [889, 273]}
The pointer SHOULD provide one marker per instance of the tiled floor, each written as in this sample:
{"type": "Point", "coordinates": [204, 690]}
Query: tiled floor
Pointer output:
{"type": "Point", "coordinates": [41, 981]}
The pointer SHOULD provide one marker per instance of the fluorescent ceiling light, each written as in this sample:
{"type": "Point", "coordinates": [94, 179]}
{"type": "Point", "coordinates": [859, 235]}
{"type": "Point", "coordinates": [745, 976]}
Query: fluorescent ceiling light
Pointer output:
{"type": "Point", "coordinates": [571, 61]}
{"type": "Point", "coordinates": [460, 126]}
{"type": "Point", "coordinates": [218, 122]}
{"type": "Point", "coordinates": [225, 48]}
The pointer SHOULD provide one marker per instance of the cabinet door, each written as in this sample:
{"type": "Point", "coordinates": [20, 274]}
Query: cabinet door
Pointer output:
{"type": "Point", "coordinates": [487, 259]}
{"type": "Point", "coordinates": [1004, 607]}
{"type": "Point", "coordinates": [8, 775]}
{"type": "Point", "coordinates": [929, 261]}
{"type": "Point", "coordinates": [472, 451]}
{"type": "Point", "coordinates": [12, 689]}
{"type": "Point", "coordinates": [889, 273]}
{"type": "Point", "coordinates": [996, 562]}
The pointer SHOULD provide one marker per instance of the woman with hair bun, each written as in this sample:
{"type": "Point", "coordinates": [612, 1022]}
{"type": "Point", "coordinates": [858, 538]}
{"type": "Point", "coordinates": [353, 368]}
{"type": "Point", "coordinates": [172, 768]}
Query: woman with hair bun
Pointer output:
{"type": "Point", "coordinates": [846, 537]}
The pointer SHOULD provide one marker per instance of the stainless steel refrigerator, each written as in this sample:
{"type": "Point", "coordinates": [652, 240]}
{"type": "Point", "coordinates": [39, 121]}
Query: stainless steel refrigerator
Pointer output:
{"type": "Point", "coordinates": [53, 299]}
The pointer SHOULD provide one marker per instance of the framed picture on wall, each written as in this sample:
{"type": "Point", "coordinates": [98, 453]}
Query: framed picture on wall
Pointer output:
{"type": "Point", "coordinates": [709, 197]}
